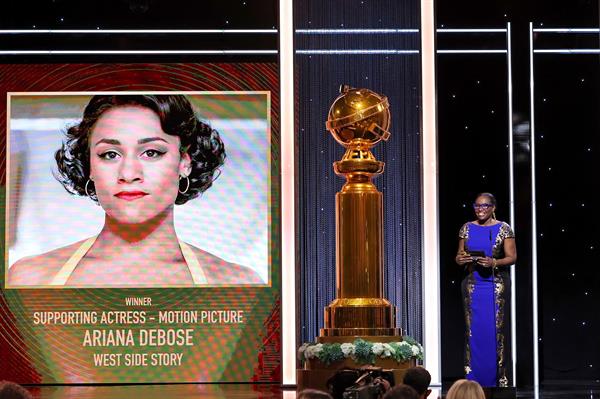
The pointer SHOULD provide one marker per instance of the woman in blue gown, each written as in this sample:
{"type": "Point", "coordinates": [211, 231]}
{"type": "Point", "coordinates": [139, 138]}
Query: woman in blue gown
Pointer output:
{"type": "Point", "coordinates": [487, 249]}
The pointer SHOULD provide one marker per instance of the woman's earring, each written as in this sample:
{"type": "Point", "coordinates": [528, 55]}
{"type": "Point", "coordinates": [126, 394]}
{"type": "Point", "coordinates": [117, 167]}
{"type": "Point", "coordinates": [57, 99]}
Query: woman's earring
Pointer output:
{"type": "Point", "coordinates": [186, 187]}
{"type": "Point", "coordinates": [86, 188]}
{"type": "Point", "coordinates": [494, 215]}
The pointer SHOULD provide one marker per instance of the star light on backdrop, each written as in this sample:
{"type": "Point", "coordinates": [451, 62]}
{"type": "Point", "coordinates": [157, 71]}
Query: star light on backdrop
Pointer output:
{"type": "Point", "coordinates": [567, 114]}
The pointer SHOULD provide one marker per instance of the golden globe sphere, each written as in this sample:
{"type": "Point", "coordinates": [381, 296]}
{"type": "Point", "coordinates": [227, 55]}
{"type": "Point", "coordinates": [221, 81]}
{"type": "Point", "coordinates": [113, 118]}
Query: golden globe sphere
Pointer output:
{"type": "Point", "coordinates": [359, 115]}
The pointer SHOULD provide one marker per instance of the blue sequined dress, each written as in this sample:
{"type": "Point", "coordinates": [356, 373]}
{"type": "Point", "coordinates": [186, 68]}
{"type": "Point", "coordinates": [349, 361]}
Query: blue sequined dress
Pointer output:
{"type": "Point", "coordinates": [486, 302]}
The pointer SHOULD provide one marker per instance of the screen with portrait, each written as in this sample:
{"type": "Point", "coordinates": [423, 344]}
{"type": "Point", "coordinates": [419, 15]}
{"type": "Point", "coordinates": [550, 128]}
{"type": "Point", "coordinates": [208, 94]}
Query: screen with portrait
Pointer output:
{"type": "Point", "coordinates": [141, 214]}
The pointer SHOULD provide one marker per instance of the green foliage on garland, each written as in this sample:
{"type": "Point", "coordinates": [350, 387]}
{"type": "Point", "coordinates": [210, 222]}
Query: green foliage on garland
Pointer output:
{"type": "Point", "coordinates": [361, 351]}
{"type": "Point", "coordinates": [331, 353]}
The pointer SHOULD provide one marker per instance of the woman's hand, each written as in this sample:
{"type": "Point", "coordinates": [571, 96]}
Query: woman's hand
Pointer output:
{"type": "Point", "coordinates": [486, 262]}
{"type": "Point", "coordinates": [463, 258]}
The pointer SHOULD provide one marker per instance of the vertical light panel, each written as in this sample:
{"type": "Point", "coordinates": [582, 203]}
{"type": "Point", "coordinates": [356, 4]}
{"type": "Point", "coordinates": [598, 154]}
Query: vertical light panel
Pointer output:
{"type": "Point", "coordinates": [511, 176]}
{"type": "Point", "coordinates": [288, 236]}
{"type": "Point", "coordinates": [431, 266]}
{"type": "Point", "coordinates": [536, 354]}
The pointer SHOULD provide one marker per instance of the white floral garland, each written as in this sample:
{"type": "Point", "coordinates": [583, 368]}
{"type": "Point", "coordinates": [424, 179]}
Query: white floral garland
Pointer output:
{"type": "Point", "coordinates": [401, 351]}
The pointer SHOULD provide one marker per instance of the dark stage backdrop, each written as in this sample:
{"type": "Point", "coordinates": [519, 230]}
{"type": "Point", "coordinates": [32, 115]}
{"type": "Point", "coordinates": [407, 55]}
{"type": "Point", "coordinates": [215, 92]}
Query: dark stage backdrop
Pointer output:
{"type": "Point", "coordinates": [567, 101]}
{"type": "Point", "coordinates": [473, 157]}
{"type": "Point", "coordinates": [327, 43]}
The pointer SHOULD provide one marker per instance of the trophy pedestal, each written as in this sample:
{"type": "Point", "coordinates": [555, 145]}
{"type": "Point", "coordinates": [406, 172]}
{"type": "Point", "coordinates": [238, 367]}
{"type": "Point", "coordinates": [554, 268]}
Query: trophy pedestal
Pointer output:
{"type": "Point", "coordinates": [315, 374]}
{"type": "Point", "coordinates": [359, 317]}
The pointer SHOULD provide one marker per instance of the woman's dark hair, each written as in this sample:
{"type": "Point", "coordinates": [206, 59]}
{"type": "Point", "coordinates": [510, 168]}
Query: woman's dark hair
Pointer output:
{"type": "Point", "coordinates": [177, 118]}
{"type": "Point", "coordinates": [489, 195]}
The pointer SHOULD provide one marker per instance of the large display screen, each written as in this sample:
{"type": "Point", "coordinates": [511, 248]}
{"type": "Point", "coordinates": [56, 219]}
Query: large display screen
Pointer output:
{"type": "Point", "coordinates": [141, 223]}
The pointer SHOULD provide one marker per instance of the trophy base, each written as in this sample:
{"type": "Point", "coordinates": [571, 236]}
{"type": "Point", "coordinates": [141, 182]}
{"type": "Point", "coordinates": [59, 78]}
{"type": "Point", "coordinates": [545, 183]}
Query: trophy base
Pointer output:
{"type": "Point", "coordinates": [342, 335]}
{"type": "Point", "coordinates": [326, 336]}
{"type": "Point", "coordinates": [359, 316]}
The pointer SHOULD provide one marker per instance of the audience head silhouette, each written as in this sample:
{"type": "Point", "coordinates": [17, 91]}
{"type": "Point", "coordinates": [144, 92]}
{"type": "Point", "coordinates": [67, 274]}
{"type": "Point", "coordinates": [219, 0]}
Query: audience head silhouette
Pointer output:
{"type": "Point", "coordinates": [418, 378]}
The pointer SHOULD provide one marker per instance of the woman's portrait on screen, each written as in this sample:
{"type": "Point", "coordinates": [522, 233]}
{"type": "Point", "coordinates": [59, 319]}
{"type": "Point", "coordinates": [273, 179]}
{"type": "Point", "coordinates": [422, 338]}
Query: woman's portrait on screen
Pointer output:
{"type": "Point", "coordinates": [137, 157]}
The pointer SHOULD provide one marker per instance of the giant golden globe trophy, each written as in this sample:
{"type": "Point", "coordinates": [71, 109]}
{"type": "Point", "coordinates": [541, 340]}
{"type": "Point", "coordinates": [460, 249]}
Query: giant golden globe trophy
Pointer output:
{"type": "Point", "coordinates": [358, 119]}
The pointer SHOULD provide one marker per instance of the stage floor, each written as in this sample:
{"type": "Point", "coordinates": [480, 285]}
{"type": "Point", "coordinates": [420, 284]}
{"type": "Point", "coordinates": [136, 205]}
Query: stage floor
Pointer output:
{"type": "Point", "coordinates": [160, 391]}
{"type": "Point", "coordinates": [242, 391]}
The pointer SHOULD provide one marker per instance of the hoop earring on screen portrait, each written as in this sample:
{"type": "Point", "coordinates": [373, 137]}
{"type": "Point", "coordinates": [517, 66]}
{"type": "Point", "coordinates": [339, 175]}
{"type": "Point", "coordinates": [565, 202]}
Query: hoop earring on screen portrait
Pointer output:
{"type": "Point", "coordinates": [186, 187]}
{"type": "Point", "coordinates": [86, 188]}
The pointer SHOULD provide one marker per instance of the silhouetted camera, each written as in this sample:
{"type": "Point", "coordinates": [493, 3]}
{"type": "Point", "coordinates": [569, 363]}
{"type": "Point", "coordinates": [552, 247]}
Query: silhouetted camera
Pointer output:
{"type": "Point", "coordinates": [364, 383]}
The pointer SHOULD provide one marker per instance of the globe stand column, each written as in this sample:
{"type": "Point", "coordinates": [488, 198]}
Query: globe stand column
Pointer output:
{"type": "Point", "coordinates": [360, 308]}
